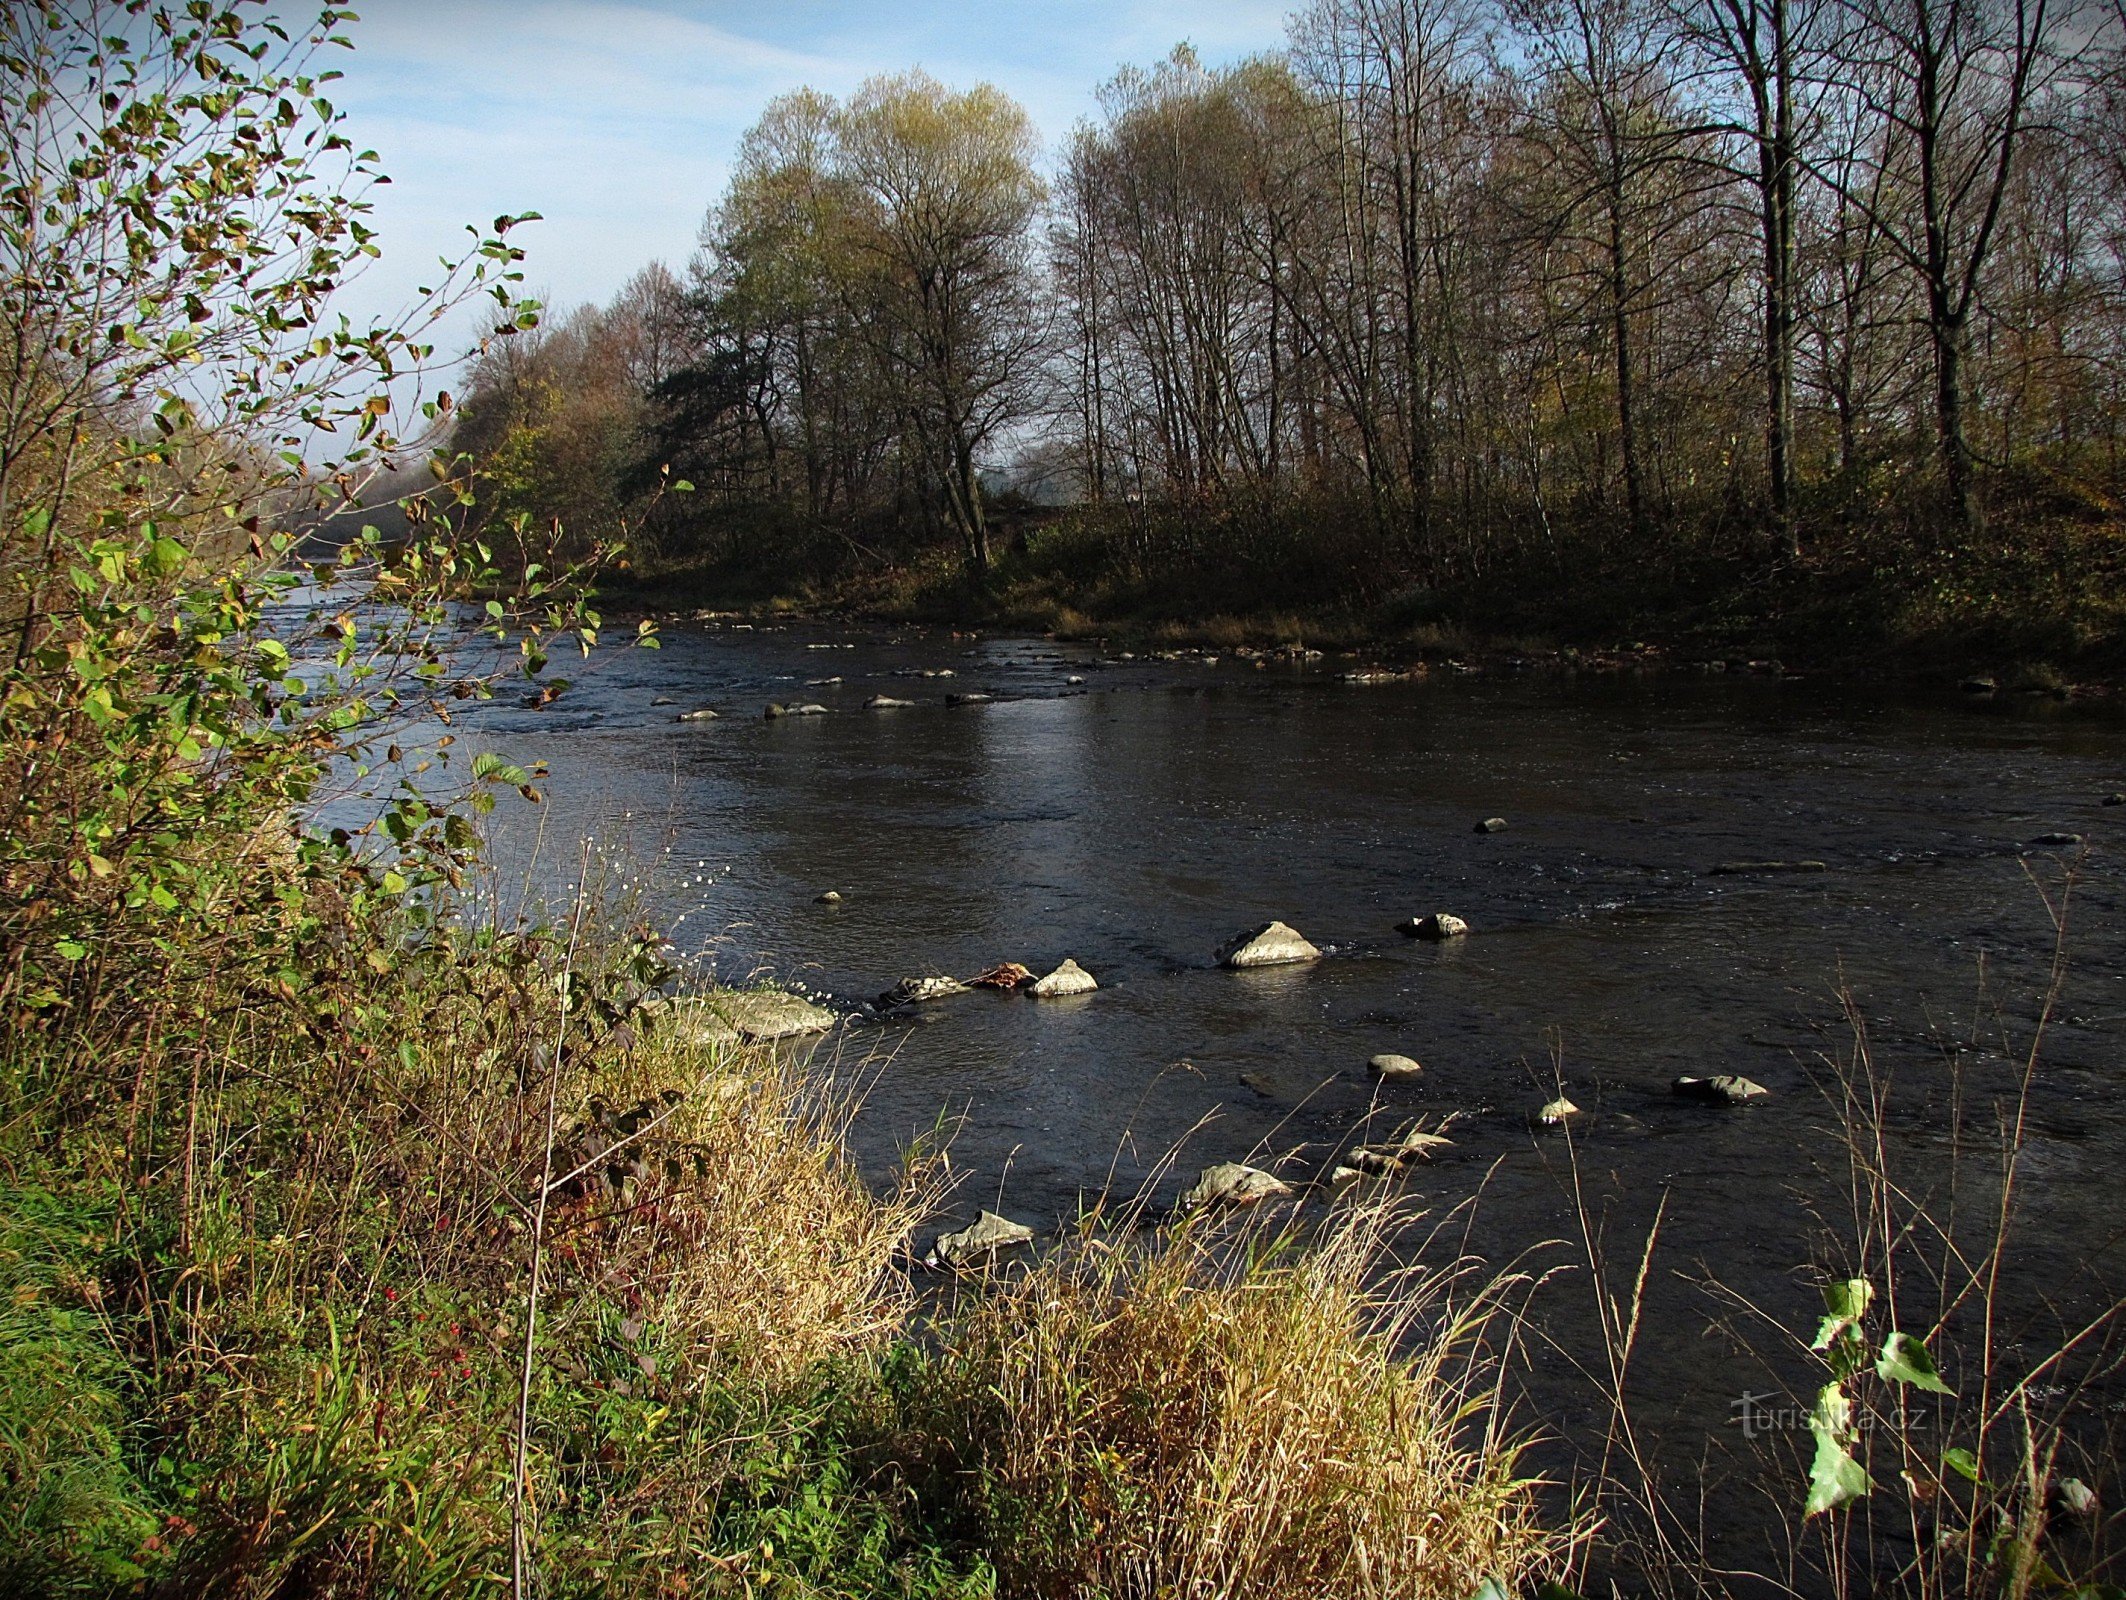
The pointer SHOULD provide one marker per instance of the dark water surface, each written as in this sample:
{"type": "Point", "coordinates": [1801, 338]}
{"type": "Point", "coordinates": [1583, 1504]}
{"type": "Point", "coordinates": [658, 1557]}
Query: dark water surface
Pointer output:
{"type": "Point", "coordinates": [1136, 821]}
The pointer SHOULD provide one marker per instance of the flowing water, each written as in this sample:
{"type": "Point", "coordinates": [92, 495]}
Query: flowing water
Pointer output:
{"type": "Point", "coordinates": [1136, 819]}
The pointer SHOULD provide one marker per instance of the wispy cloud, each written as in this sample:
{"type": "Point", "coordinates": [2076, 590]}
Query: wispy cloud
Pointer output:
{"type": "Point", "coordinates": [617, 119]}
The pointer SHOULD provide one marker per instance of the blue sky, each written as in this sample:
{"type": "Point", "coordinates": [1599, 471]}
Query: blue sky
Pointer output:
{"type": "Point", "coordinates": [617, 119]}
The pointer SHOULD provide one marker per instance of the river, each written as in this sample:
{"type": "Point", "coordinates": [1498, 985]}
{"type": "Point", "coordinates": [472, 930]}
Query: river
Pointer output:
{"type": "Point", "coordinates": [1134, 814]}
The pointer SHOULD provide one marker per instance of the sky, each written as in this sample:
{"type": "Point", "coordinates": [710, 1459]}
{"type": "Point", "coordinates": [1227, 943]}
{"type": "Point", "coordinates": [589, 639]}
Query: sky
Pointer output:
{"type": "Point", "coordinates": [617, 120]}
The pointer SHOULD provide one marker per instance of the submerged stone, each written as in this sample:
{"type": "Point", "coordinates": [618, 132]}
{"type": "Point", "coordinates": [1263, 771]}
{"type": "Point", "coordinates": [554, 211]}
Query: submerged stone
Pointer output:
{"type": "Point", "coordinates": [1721, 1089]}
{"type": "Point", "coordinates": [1439, 925]}
{"type": "Point", "coordinates": [911, 991]}
{"type": "Point", "coordinates": [1393, 1066]}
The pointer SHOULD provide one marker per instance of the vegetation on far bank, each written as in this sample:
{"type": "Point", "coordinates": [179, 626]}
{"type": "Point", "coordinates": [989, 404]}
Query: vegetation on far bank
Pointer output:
{"type": "Point", "coordinates": [1746, 327]}
{"type": "Point", "coordinates": [2045, 612]}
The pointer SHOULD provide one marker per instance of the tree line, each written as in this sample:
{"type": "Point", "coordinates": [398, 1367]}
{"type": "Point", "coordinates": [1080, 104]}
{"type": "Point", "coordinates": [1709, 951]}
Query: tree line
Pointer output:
{"type": "Point", "coordinates": [1441, 287]}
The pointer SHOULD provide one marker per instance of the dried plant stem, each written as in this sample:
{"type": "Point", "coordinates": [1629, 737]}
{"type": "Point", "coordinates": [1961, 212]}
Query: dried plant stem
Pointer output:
{"type": "Point", "coordinates": [518, 1550]}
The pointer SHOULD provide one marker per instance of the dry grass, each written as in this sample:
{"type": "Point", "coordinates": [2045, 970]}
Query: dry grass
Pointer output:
{"type": "Point", "coordinates": [1211, 1419]}
{"type": "Point", "coordinates": [753, 1235]}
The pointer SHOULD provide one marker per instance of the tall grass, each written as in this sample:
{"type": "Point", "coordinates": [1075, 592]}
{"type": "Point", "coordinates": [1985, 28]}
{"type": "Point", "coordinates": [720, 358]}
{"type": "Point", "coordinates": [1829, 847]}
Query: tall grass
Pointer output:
{"type": "Point", "coordinates": [1201, 1416]}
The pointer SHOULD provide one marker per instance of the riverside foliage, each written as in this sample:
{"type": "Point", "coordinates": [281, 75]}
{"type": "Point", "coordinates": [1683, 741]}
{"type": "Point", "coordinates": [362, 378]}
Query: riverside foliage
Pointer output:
{"type": "Point", "coordinates": [353, 1244]}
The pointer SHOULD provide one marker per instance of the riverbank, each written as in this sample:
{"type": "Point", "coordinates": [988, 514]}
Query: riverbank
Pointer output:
{"type": "Point", "coordinates": [2042, 614]}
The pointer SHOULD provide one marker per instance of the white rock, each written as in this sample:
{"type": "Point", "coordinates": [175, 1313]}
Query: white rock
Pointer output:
{"type": "Point", "coordinates": [1269, 946]}
{"type": "Point", "coordinates": [1232, 1184]}
{"type": "Point", "coordinates": [1556, 1113]}
{"type": "Point", "coordinates": [1069, 978]}
{"type": "Point", "coordinates": [1393, 1066]}
{"type": "Point", "coordinates": [972, 1245]}
{"type": "Point", "coordinates": [703, 715]}
{"type": "Point", "coordinates": [885, 702]}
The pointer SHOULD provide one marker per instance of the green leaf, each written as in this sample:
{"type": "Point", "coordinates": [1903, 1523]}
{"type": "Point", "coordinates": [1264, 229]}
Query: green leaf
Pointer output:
{"type": "Point", "coordinates": [72, 949]}
{"type": "Point", "coordinates": [1835, 1478]}
{"type": "Point", "coordinates": [1904, 1359]}
{"type": "Point", "coordinates": [1961, 1461]}
{"type": "Point", "coordinates": [166, 558]}
{"type": "Point", "coordinates": [1844, 1304]}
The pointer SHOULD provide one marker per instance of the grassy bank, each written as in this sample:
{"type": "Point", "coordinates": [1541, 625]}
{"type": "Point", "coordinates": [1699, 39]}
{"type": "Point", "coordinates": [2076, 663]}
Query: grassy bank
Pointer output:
{"type": "Point", "coordinates": [2041, 604]}
{"type": "Point", "coordinates": [268, 1269]}
{"type": "Point", "coordinates": [351, 1245]}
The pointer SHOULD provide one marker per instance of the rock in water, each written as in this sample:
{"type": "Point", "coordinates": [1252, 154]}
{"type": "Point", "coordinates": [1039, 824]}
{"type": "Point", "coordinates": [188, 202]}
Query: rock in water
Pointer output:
{"type": "Point", "coordinates": [1439, 925]}
{"type": "Point", "coordinates": [1232, 1184]}
{"type": "Point", "coordinates": [1979, 686]}
{"type": "Point", "coordinates": [703, 715]}
{"type": "Point", "coordinates": [971, 1246]}
{"type": "Point", "coordinates": [1723, 1089]}
{"type": "Point", "coordinates": [910, 991]}
{"type": "Point", "coordinates": [831, 898]}
{"type": "Point", "coordinates": [777, 710]}
{"type": "Point", "coordinates": [1004, 975]}
{"type": "Point", "coordinates": [1272, 945]}
{"type": "Point", "coordinates": [974, 697]}
{"type": "Point", "coordinates": [1069, 978]}
{"type": "Point", "coordinates": [2056, 841]}
{"type": "Point", "coordinates": [1492, 825]}
{"type": "Point", "coordinates": [1557, 1113]}
{"type": "Point", "coordinates": [1390, 1066]}
{"type": "Point", "coordinates": [2115, 800]}
{"type": "Point", "coordinates": [886, 702]}
{"type": "Point", "coordinates": [1415, 1145]}
{"type": "Point", "coordinates": [764, 1015]}
{"type": "Point", "coordinates": [694, 1021]}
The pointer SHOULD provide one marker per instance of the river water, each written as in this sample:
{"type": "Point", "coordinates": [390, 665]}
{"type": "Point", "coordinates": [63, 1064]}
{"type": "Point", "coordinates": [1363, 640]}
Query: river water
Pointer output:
{"type": "Point", "coordinates": [1137, 819]}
